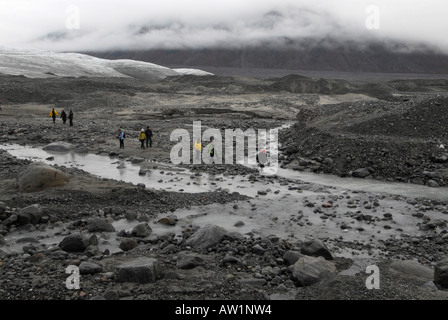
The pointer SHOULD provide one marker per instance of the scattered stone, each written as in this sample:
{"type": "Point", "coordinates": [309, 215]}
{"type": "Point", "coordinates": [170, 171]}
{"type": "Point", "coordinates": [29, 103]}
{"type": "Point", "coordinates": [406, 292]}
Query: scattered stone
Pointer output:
{"type": "Point", "coordinates": [99, 225]}
{"type": "Point", "coordinates": [257, 249]}
{"type": "Point", "coordinates": [128, 244]}
{"type": "Point", "coordinates": [141, 231]}
{"type": "Point", "coordinates": [189, 260]}
{"type": "Point", "coordinates": [292, 257]}
{"type": "Point", "coordinates": [432, 183]}
{"type": "Point", "coordinates": [239, 223]}
{"type": "Point", "coordinates": [138, 270]}
{"type": "Point", "coordinates": [316, 248]}
{"type": "Point", "coordinates": [234, 236]}
{"type": "Point", "coordinates": [228, 259]}
{"type": "Point", "coordinates": [89, 268]}
{"type": "Point", "coordinates": [413, 268]}
{"type": "Point", "coordinates": [441, 273]}
{"type": "Point", "coordinates": [308, 270]}
{"type": "Point", "coordinates": [254, 282]}
{"type": "Point", "coordinates": [361, 173]}
{"type": "Point", "coordinates": [169, 221]}
{"type": "Point", "coordinates": [206, 237]}
{"type": "Point", "coordinates": [76, 243]}
{"type": "Point", "coordinates": [30, 215]}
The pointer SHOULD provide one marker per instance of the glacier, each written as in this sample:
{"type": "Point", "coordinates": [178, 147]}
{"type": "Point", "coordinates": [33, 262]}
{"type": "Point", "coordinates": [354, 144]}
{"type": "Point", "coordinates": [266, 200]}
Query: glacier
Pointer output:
{"type": "Point", "coordinates": [47, 64]}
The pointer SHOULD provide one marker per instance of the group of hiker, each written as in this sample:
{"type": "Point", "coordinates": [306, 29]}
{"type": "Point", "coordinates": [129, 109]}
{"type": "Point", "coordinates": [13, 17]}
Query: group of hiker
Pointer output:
{"type": "Point", "coordinates": [64, 117]}
{"type": "Point", "coordinates": [145, 137]}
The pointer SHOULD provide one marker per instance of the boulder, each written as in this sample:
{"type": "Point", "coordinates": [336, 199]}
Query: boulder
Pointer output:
{"type": "Point", "coordinates": [206, 237]}
{"type": "Point", "coordinates": [2, 207]}
{"type": "Point", "coordinates": [141, 231]}
{"type": "Point", "coordinates": [99, 225]}
{"type": "Point", "coordinates": [291, 257]}
{"type": "Point", "coordinates": [169, 221]}
{"type": "Point", "coordinates": [137, 160]}
{"type": "Point", "coordinates": [189, 260]}
{"type": "Point", "coordinates": [31, 214]}
{"type": "Point", "coordinates": [89, 268]}
{"type": "Point", "coordinates": [77, 243]}
{"type": "Point", "coordinates": [316, 248]}
{"type": "Point", "coordinates": [413, 268]}
{"type": "Point", "coordinates": [432, 183]}
{"type": "Point", "coordinates": [10, 220]}
{"type": "Point", "coordinates": [361, 173]}
{"type": "Point", "coordinates": [138, 270]}
{"type": "Point", "coordinates": [441, 273]}
{"type": "Point", "coordinates": [234, 236]}
{"type": "Point", "coordinates": [128, 244]}
{"type": "Point", "coordinates": [309, 270]}
{"type": "Point", "coordinates": [257, 249]}
{"type": "Point", "coordinates": [39, 176]}
{"type": "Point", "coordinates": [59, 146]}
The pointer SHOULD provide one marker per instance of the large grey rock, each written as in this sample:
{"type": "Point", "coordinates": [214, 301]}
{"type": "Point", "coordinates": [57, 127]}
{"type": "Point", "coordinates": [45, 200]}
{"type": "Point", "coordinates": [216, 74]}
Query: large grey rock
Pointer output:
{"type": "Point", "coordinates": [137, 160]}
{"type": "Point", "coordinates": [31, 214]}
{"type": "Point", "coordinates": [206, 237]}
{"type": "Point", "coordinates": [10, 220]}
{"type": "Point", "coordinates": [413, 268]}
{"type": "Point", "coordinates": [254, 282]}
{"type": "Point", "coordinates": [441, 273]}
{"type": "Point", "coordinates": [77, 243]}
{"type": "Point", "coordinates": [59, 146]}
{"type": "Point", "coordinates": [73, 243]}
{"type": "Point", "coordinates": [189, 260]}
{"type": "Point", "coordinates": [99, 225]}
{"type": "Point", "coordinates": [139, 270]}
{"type": "Point", "coordinates": [257, 249]}
{"type": "Point", "coordinates": [39, 176]}
{"type": "Point", "coordinates": [316, 248]}
{"type": "Point", "coordinates": [292, 257]}
{"type": "Point", "coordinates": [87, 267]}
{"type": "Point", "coordinates": [234, 236]}
{"type": "Point", "coordinates": [2, 207]}
{"type": "Point", "coordinates": [141, 231]}
{"type": "Point", "coordinates": [308, 270]}
{"type": "Point", "coordinates": [5, 253]}
{"type": "Point", "coordinates": [432, 183]}
{"type": "Point", "coordinates": [128, 244]}
{"type": "Point", "coordinates": [361, 173]}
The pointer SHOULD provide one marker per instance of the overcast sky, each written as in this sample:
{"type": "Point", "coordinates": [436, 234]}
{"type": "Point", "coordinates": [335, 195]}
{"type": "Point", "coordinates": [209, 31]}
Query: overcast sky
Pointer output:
{"type": "Point", "coordinates": [79, 25]}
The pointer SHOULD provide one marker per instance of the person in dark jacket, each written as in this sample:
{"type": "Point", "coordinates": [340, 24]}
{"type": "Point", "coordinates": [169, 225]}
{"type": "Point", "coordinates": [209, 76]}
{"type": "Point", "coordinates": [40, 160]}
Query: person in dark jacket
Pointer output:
{"type": "Point", "coordinates": [63, 116]}
{"type": "Point", "coordinates": [121, 137]}
{"type": "Point", "coordinates": [148, 133]}
{"type": "Point", "coordinates": [70, 117]}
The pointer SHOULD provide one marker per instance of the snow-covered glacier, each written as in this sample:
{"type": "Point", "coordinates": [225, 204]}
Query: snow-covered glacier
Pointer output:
{"type": "Point", "coordinates": [46, 64]}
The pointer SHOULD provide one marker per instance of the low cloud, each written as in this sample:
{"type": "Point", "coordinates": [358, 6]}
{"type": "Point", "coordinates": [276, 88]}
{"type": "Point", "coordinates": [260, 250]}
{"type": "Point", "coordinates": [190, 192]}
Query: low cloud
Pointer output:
{"type": "Point", "coordinates": [172, 24]}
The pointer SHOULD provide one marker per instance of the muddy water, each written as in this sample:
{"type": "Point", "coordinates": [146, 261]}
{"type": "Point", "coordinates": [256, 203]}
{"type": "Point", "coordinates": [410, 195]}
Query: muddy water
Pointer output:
{"type": "Point", "coordinates": [280, 210]}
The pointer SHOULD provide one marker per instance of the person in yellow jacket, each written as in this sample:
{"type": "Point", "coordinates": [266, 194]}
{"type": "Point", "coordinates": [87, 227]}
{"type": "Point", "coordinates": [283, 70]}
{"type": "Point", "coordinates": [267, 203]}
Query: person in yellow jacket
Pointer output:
{"type": "Point", "coordinates": [197, 149]}
{"type": "Point", "coordinates": [54, 114]}
{"type": "Point", "coordinates": [142, 138]}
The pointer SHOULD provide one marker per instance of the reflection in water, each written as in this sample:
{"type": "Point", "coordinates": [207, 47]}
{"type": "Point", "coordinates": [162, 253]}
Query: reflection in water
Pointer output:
{"type": "Point", "coordinates": [163, 177]}
{"type": "Point", "coordinates": [278, 210]}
